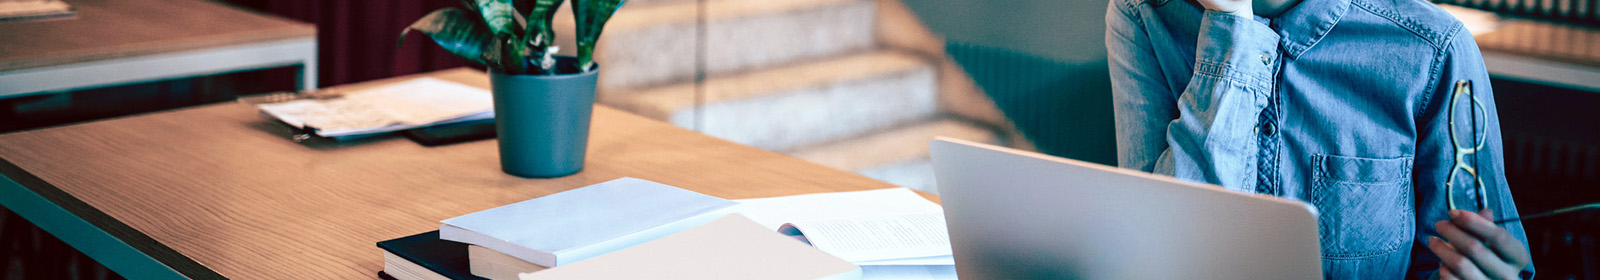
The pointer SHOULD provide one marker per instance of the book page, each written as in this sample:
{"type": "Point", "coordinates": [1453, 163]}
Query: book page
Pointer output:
{"type": "Point", "coordinates": [864, 239]}
{"type": "Point", "coordinates": [775, 211]}
{"type": "Point", "coordinates": [909, 272]}
{"type": "Point", "coordinates": [922, 261]}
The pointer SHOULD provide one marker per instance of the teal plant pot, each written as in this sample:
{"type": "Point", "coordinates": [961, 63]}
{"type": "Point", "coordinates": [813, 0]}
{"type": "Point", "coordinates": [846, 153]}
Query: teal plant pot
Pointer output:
{"type": "Point", "coordinates": [542, 121]}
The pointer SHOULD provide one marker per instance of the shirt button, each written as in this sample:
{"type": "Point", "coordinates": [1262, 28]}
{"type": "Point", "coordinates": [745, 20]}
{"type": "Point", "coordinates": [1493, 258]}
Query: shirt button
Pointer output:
{"type": "Point", "coordinates": [1266, 59]}
{"type": "Point", "coordinates": [1268, 129]}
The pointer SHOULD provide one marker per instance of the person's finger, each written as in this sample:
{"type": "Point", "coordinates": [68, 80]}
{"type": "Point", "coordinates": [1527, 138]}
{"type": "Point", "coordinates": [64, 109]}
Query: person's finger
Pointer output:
{"type": "Point", "coordinates": [1516, 254]}
{"type": "Point", "coordinates": [1474, 249]}
{"type": "Point", "coordinates": [1505, 246]}
{"type": "Point", "coordinates": [1445, 274]}
{"type": "Point", "coordinates": [1448, 257]}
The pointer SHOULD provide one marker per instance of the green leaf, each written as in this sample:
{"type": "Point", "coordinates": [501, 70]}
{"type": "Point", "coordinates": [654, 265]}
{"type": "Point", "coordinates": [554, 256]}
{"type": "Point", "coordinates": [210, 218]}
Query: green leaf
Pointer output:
{"type": "Point", "coordinates": [591, 17]}
{"type": "Point", "coordinates": [542, 15]}
{"type": "Point", "coordinates": [511, 59]}
{"type": "Point", "coordinates": [499, 15]}
{"type": "Point", "coordinates": [541, 32]}
{"type": "Point", "coordinates": [456, 31]}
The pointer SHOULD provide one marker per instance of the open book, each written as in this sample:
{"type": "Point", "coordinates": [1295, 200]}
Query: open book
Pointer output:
{"type": "Point", "coordinates": [730, 247]}
{"type": "Point", "coordinates": [890, 233]}
{"type": "Point", "coordinates": [911, 239]}
{"type": "Point", "coordinates": [410, 104]}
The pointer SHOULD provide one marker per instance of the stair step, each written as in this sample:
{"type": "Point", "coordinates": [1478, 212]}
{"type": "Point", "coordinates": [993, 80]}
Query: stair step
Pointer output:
{"type": "Point", "coordinates": [799, 105]}
{"type": "Point", "coordinates": [654, 43]}
{"type": "Point", "coordinates": [897, 156]}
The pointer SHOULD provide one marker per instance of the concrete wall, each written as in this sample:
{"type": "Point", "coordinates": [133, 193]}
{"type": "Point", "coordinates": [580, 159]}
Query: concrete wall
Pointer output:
{"type": "Point", "coordinates": [1042, 61]}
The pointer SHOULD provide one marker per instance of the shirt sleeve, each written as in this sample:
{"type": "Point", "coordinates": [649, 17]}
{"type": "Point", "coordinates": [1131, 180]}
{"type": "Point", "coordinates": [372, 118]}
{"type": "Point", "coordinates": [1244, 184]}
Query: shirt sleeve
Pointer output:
{"type": "Point", "coordinates": [1201, 129]}
{"type": "Point", "coordinates": [1460, 60]}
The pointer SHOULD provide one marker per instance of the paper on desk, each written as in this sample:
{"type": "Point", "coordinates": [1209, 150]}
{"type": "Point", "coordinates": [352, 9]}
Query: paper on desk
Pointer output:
{"type": "Point", "coordinates": [773, 212]}
{"type": "Point", "coordinates": [402, 105]}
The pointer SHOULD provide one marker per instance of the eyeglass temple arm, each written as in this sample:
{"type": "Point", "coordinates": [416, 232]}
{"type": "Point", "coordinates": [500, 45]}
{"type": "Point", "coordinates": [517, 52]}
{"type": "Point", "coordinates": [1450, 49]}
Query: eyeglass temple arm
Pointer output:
{"type": "Point", "coordinates": [1595, 205]}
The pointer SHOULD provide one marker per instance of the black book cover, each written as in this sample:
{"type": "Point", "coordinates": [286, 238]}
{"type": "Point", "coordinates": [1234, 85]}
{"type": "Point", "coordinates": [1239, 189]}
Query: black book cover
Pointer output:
{"type": "Point", "coordinates": [444, 257]}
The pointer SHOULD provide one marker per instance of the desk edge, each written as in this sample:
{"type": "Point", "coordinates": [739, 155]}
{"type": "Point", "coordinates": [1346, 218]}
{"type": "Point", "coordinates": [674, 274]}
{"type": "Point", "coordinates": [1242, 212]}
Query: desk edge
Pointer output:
{"type": "Point", "coordinates": [120, 247]}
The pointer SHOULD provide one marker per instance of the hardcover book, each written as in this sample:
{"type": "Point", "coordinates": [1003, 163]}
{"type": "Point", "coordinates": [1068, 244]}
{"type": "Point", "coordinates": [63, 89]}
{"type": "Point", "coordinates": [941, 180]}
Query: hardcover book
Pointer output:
{"type": "Point", "coordinates": [582, 223]}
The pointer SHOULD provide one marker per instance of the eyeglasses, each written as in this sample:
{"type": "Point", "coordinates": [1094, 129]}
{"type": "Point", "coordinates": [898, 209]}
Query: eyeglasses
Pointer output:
{"type": "Point", "coordinates": [1461, 189]}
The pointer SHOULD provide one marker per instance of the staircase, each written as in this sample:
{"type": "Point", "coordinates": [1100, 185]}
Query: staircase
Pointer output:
{"type": "Point", "coordinates": [857, 85]}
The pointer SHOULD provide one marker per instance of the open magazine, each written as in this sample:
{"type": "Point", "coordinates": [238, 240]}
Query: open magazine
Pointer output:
{"type": "Point", "coordinates": [404, 105]}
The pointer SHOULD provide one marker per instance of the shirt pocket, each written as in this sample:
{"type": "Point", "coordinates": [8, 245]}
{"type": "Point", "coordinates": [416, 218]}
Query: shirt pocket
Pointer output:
{"type": "Point", "coordinates": [1365, 203]}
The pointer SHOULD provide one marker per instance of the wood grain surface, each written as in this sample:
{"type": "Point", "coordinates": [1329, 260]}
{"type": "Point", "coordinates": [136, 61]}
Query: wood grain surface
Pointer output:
{"type": "Point", "coordinates": [1561, 42]}
{"type": "Point", "coordinates": [108, 29]}
{"type": "Point", "coordinates": [225, 193]}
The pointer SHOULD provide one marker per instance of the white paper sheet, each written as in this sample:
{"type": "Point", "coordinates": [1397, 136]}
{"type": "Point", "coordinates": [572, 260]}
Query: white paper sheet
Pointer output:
{"type": "Point", "coordinates": [413, 103]}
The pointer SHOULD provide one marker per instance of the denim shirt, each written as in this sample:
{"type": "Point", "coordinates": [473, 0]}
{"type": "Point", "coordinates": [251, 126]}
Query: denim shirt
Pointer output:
{"type": "Point", "coordinates": [1340, 103]}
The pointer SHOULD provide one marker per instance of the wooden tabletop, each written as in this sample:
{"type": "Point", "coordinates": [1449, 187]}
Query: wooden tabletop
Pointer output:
{"type": "Point", "coordinates": [219, 191]}
{"type": "Point", "coordinates": [1562, 42]}
{"type": "Point", "coordinates": [108, 29]}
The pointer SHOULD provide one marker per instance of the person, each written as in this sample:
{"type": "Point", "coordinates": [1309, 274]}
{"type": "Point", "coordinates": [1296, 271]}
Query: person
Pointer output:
{"type": "Point", "coordinates": [1345, 104]}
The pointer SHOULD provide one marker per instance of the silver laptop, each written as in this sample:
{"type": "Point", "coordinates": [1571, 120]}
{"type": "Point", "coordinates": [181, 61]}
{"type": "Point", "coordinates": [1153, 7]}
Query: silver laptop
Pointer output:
{"type": "Point", "coordinates": [1021, 215]}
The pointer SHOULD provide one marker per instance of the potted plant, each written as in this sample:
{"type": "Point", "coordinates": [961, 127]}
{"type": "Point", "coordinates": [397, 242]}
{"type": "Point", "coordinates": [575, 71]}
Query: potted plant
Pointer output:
{"type": "Point", "coordinates": [542, 101]}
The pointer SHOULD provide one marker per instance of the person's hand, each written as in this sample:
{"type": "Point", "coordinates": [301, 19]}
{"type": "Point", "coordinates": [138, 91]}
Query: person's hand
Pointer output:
{"type": "Point", "coordinates": [1236, 7]}
{"type": "Point", "coordinates": [1476, 248]}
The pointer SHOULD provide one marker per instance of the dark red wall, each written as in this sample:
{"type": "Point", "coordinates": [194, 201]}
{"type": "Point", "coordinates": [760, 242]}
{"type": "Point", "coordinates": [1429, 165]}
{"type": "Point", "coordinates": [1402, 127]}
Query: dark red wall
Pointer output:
{"type": "Point", "coordinates": [356, 39]}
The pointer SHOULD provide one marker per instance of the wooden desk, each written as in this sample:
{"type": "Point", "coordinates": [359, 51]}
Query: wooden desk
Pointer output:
{"type": "Point", "coordinates": [1558, 54]}
{"type": "Point", "coordinates": [122, 41]}
{"type": "Point", "coordinates": [219, 191]}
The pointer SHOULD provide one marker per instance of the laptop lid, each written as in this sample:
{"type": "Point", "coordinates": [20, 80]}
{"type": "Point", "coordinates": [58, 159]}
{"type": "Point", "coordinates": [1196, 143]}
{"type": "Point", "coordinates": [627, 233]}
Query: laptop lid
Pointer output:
{"type": "Point", "coordinates": [1022, 215]}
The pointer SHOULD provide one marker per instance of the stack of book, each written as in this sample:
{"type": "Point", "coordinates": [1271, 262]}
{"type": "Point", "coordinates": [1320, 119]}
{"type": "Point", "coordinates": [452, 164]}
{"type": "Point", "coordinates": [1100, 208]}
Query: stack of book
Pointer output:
{"type": "Point", "coordinates": [622, 229]}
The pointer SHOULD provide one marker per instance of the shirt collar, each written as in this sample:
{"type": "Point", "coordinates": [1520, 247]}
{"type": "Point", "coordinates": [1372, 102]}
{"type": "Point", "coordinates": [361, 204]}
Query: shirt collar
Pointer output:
{"type": "Point", "coordinates": [1302, 26]}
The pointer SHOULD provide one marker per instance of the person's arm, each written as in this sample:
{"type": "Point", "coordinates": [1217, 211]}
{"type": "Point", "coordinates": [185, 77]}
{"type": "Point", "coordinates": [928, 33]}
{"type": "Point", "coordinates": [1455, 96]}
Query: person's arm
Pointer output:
{"type": "Point", "coordinates": [1206, 133]}
{"type": "Point", "coordinates": [1470, 246]}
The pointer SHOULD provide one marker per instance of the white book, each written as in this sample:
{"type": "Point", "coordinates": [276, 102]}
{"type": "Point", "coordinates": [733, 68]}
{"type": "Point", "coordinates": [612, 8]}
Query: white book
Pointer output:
{"type": "Point", "coordinates": [494, 265]}
{"type": "Point", "coordinates": [403, 269]}
{"type": "Point", "coordinates": [582, 223]}
{"type": "Point", "coordinates": [732, 247]}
